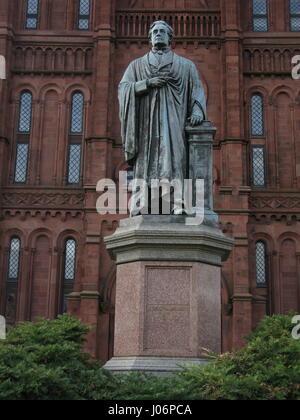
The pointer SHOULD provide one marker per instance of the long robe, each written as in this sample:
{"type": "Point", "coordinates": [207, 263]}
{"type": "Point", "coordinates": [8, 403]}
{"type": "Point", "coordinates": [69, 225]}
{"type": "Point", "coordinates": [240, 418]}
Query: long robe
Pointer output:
{"type": "Point", "coordinates": [154, 119]}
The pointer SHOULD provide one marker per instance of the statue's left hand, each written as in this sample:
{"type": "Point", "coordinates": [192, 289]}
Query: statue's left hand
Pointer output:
{"type": "Point", "coordinates": [195, 120]}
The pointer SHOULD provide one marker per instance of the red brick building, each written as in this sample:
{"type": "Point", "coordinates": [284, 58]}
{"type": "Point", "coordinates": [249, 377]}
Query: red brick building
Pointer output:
{"type": "Point", "coordinates": [60, 134]}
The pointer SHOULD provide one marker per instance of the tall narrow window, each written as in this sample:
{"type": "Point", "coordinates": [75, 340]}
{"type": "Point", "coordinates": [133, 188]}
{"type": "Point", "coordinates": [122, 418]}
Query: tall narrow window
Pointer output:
{"type": "Point", "coordinates": [77, 113]}
{"type": "Point", "coordinates": [75, 139]}
{"type": "Point", "coordinates": [12, 280]}
{"type": "Point", "coordinates": [84, 7]}
{"type": "Point", "coordinates": [257, 116]}
{"type": "Point", "coordinates": [260, 16]}
{"type": "Point", "coordinates": [261, 264]}
{"type": "Point", "coordinates": [32, 14]}
{"type": "Point", "coordinates": [69, 272]}
{"type": "Point", "coordinates": [21, 163]}
{"type": "Point", "coordinates": [74, 167]}
{"type": "Point", "coordinates": [23, 136]}
{"type": "Point", "coordinates": [295, 15]}
{"type": "Point", "coordinates": [258, 166]}
{"type": "Point", "coordinates": [25, 112]}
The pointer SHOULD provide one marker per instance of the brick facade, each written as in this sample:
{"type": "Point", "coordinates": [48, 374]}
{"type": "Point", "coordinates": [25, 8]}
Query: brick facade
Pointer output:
{"type": "Point", "coordinates": [56, 60]}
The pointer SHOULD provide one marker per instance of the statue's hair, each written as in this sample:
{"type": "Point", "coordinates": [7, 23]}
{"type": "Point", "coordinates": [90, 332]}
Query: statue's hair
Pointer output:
{"type": "Point", "coordinates": [162, 22]}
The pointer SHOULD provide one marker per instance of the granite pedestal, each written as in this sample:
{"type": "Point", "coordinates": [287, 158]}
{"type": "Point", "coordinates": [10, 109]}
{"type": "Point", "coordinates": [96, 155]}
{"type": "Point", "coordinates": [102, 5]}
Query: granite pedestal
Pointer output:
{"type": "Point", "coordinates": [168, 301]}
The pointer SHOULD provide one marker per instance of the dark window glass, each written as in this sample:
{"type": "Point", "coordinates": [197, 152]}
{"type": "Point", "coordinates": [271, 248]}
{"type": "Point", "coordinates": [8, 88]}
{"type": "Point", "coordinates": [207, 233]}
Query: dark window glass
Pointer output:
{"type": "Point", "coordinates": [25, 113]}
{"type": "Point", "coordinates": [21, 163]}
{"type": "Point", "coordinates": [12, 281]}
{"type": "Point", "coordinates": [261, 265]}
{"type": "Point", "coordinates": [14, 259]}
{"type": "Point", "coordinates": [258, 166]}
{"type": "Point", "coordinates": [77, 113]}
{"type": "Point", "coordinates": [257, 116]}
{"type": "Point", "coordinates": [32, 14]}
{"type": "Point", "coordinates": [76, 133]}
{"type": "Point", "coordinates": [74, 164]}
{"type": "Point", "coordinates": [84, 14]}
{"type": "Point", "coordinates": [260, 16]}
{"type": "Point", "coordinates": [69, 272]}
{"type": "Point", "coordinates": [295, 15]}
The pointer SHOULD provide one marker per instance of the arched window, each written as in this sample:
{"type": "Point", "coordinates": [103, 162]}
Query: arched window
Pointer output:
{"type": "Point", "coordinates": [260, 15]}
{"type": "Point", "coordinates": [84, 7]}
{"type": "Point", "coordinates": [75, 138]}
{"type": "Point", "coordinates": [295, 15]}
{"type": "Point", "coordinates": [22, 148]}
{"type": "Point", "coordinates": [261, 264]}
{"type": "Point", "coordinates": [12, 280]}
{"type": "Point", "coordinates": [68, 273]}
{"type": "Point", "coordinates": [257, 116]}
{"type": "Point", "coordinates": [32, 14]}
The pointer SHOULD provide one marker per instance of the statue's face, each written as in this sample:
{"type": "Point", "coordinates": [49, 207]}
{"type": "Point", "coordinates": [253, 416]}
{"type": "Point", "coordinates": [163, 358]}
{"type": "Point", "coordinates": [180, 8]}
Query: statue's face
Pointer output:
{"type": "Point", "coordinates": [160, 35]}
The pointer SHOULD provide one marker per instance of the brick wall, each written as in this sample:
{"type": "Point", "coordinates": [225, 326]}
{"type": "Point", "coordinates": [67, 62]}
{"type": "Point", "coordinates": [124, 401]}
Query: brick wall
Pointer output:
{"type": "Point", "coordinates": [56, 60]}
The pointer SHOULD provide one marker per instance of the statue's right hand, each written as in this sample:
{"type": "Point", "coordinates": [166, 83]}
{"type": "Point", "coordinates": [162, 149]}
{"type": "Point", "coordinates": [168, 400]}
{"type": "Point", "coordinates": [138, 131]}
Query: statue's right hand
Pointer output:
{"type": "Point", "coordinates": [157, 82]}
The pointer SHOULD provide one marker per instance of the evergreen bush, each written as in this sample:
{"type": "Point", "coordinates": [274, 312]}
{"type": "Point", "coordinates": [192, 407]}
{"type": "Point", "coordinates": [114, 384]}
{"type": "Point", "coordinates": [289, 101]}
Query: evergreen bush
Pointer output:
{"type": "Point", "coordinates": [45, 361]}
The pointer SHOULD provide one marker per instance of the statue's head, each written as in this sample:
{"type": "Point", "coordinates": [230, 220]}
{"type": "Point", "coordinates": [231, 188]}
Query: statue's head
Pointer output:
{"type": "Point", "coordinates": [161, 34]}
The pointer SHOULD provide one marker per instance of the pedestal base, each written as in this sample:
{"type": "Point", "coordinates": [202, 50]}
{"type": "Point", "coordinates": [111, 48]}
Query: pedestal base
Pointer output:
{"type": "Point", "coordinates": [168, 292]}
{"type": "Point", "coordinates": [158, 366]}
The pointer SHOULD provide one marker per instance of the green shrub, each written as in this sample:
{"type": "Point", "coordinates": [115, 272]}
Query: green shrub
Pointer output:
{"type": "Point", "coordinates": [268, 368]}
{"type": "Point", "coordinates": [44, 361]}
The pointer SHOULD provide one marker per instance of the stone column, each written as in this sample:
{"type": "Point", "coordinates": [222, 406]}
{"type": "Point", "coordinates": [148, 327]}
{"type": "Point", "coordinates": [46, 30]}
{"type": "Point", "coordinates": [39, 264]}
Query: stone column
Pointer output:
{"type": "Point", "coordinates": [6, 41]}
{"type": "Point", "coordinates": [168, 291]}
{"type": "Point", "coordinates": [233, 193]}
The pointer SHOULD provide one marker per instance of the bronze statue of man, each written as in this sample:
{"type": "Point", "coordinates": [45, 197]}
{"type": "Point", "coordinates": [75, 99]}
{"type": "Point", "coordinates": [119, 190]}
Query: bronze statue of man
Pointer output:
{"type": "Point", "coordinates": [159, 95]}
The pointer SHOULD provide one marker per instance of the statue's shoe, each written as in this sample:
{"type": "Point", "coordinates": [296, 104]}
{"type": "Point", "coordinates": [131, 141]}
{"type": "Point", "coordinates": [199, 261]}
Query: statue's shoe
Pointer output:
{"type": "Point", "coordinates": [178, 211]}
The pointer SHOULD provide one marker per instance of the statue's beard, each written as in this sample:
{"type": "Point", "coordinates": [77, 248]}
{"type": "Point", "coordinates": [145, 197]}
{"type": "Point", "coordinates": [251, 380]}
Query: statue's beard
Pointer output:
{"type": "Point", "coordinates": [160, 44]}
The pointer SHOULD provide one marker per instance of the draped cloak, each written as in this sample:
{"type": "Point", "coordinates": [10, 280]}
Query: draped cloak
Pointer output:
{"type": "Point", "coordinates": [153, 120]}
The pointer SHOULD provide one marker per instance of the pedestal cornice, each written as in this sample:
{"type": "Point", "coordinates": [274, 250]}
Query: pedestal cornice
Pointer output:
{"type": "Point", "coordinates": [167, 238]}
